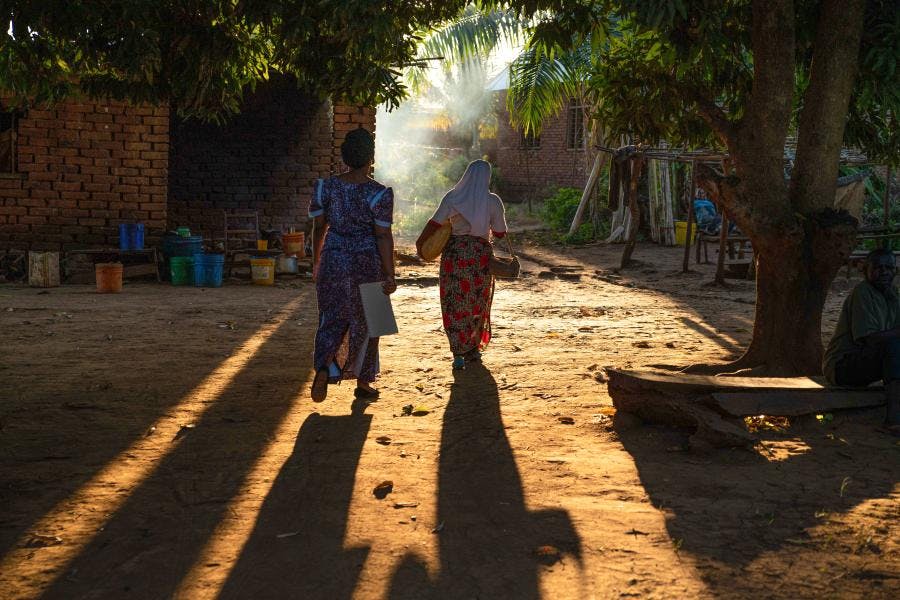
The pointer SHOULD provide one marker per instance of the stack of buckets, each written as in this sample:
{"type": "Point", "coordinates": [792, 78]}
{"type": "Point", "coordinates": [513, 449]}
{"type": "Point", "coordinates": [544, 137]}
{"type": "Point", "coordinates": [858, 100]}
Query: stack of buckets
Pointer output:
{"type": "Point", "coordinates": [188, 265]}
{"type": "Point", "coordinates": [200, 270]}
{"type": "Point", "coordinates": [181, 250]}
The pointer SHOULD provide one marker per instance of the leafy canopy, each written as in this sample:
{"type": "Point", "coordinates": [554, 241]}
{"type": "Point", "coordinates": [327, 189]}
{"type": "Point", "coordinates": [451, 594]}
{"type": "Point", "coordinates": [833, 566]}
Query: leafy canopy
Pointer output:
{"type": "Point", "coordinates": [201, 54]}
{"type": "Point", "coordinates": [662, 69]}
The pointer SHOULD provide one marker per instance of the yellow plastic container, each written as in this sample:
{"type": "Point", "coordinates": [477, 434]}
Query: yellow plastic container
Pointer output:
{"type": "Point", "coordinates": [262, 271]}
{"type": "Point", "coordinates": [681, 230]}
{"type": "Point", "coordinates": [262, 244]}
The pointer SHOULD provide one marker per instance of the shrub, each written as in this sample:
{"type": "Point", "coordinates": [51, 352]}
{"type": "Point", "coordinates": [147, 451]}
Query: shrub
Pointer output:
{"type": "Point", "coordinates": [559, 209]}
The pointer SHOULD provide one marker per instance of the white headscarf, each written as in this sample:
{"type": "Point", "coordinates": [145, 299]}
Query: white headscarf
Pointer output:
{"type": "Point", "coordinates": [471, 196]}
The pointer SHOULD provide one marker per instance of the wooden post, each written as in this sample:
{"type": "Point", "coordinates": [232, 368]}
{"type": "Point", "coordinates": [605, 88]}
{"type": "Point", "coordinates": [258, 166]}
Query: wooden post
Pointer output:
{"type": "Point", "coordinates": [723, 241]}
{"type": "Point", "coordinates": [887, 199]}
{"type": "Point", "coordinates": [723, 236]}
{"type": "Point", "coordinates": [634, 209]}
{"type": "Point", "coordinates": [690, 222]}
{"type": "Point", "coordinates": [588, 188]}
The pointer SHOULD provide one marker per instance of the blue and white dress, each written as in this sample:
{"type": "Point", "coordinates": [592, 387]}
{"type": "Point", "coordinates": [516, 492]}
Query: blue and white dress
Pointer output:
{"type": "Point", "coordinates": [349, 257]}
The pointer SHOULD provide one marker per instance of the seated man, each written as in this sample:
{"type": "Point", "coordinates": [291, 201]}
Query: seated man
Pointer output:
{"type": "Point", "coordinates": [865, 346]}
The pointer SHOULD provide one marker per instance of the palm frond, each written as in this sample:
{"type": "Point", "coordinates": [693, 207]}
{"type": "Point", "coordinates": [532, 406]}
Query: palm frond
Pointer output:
{"type": "Point", "coordinates": [475, 33]}
{"type": "Point", "coordinates": [540, 85]}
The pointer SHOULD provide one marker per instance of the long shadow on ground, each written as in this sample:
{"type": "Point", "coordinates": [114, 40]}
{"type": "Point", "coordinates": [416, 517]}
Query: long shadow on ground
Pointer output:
{"type": "Point", "coordinates": [310, 502]}
{"type": "Point", "coordinates": [78, 408]}
{"type": "Point", "coordinates": [488, 540]}
{"type": "Point", "coordinates": [746, 519]}
{"type": "Point", "coordinates": [153, 540]}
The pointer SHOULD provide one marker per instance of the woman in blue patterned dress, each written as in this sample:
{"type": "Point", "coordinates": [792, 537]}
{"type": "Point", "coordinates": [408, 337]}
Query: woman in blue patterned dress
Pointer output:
{"type": "Point", "coordinates": [352, 244]}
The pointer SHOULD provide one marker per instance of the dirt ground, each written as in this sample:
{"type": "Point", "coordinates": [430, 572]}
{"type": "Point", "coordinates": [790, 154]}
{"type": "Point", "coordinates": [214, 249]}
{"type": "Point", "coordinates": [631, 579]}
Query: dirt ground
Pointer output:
{"type": "Point", "coordinates": [160, 443]}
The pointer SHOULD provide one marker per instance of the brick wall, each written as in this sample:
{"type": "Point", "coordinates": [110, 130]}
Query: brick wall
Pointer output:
{"type": "Point", "coordinates": [82, 168]}
{"type": "Point", "coordinates": [265, 159]}
{"type": "Point", "coordinates": [531, 172]}
{"type": "Point", "coordinates": [347, 117]}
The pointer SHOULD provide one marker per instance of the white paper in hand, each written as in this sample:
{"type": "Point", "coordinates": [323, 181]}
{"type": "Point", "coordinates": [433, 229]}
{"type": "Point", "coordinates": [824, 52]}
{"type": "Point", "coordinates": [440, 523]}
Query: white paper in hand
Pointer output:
{"type": "Point", "coordinates": [378, 310]}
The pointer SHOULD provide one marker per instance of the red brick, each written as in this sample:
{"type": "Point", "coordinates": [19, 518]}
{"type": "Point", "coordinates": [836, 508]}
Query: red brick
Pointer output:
{"type": "Point", "coordinates": [67, 186]}
{"type": "Point", "coordinates": [103, 197]}
{"type": "Point", "coordinates": [13, 210]}
{"type": "Point", "coordinates": [45, 176]}
{"type": "Point", "coordinates": [89, 221]}
{"type": "Point", "coordinates": [45, 194]}
{"type": "Point", "coordinates": [159, 121]}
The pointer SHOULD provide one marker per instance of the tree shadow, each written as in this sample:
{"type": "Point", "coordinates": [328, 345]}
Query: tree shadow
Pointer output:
{"type": "Point", "coordinates": [743, 516]}
{"type": "Point", "coordinates": [711, 334]}
{"type": "Point", "coordinates": [488, 537]}
{"type": "Point", "coordinates": [70, 414]}
{"type": "Point", "coordinates": [152, 541]}
{"type": "Point", "coordinates": [308, 506]}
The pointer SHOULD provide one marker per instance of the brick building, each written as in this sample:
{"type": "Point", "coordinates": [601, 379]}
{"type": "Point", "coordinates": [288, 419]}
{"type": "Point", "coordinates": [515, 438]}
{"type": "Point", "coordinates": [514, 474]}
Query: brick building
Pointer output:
{"type": "Point", "coordinates": [69, 174]}
{"type": "Point", "coordinates": [531, 165]}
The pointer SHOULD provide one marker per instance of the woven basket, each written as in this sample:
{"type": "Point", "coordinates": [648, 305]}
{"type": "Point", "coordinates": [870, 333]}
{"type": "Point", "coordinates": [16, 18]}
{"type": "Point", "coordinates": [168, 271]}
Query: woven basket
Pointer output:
{"type": "Point", "coordinates": [434, 245]}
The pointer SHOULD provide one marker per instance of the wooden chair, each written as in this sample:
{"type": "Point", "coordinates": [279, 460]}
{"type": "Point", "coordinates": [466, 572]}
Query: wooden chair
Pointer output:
{"type": "Point", "coordinates": [240, 228]}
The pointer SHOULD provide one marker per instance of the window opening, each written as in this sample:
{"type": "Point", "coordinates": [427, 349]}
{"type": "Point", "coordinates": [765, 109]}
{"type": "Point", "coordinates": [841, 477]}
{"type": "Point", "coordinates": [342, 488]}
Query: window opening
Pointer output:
{"type": "Point", "coordinates": [7, 142]}
{"type": "Point", "coordinates": [575, 126]}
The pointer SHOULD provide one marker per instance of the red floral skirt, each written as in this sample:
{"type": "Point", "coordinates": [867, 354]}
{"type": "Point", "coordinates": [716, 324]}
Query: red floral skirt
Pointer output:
{"type": "Point", "coordinates": [467, 290]}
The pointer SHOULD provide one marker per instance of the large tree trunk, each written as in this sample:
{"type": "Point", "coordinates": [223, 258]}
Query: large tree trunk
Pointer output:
{"type": "Point", "coordinates": [799, 240]}
{"type": "Point", "coordinates": [793, 277]}
{"type": "Point", "coordinates": [798, 257]}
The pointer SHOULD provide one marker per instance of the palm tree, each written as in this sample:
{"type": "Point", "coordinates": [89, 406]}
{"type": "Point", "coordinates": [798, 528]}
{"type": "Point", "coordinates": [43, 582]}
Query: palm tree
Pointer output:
{"type": "Point", "coordinates": [543, 79]}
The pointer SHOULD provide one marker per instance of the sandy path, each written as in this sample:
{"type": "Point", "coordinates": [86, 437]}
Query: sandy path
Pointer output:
{"type": "Point", "coordinates": [268, 495]}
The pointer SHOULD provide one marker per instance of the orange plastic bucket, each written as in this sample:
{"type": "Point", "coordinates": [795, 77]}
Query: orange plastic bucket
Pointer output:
{"type": "Point", "coordinates": [293, 244]}
{"type": "Point", "coordinates": [109, 277]}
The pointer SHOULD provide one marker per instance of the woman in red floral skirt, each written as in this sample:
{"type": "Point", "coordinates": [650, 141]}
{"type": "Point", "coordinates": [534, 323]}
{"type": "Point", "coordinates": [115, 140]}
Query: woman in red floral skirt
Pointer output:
{"type": "Point", "coordinates": [467, 286]}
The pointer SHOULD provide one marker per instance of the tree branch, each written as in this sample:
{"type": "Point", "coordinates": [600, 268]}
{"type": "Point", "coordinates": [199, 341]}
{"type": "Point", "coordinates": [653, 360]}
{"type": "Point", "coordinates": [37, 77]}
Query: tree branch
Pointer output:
{"type": "Point", "coordinates": [724, 190]}
{"type": "Point", "coordinates": [825, 104]}
{"type": "Point", "coordinates": [715, 117]}
{"type": "Point", "coordinates": [759, 147]}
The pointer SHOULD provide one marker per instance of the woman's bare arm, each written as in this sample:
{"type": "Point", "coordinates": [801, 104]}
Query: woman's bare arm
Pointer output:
{"type": "Point", "coordinates": [385, 240]}
{"type": "Point", "coordinates": [320, 227]}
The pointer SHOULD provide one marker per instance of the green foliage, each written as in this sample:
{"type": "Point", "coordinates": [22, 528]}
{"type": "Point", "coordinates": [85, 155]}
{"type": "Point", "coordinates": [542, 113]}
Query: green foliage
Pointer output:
{"type": "Point", "coordinates": [558, 210]}
{"type": "Point", "coordinates": [417, 190]}
{"type": "Point", "coordinates": [657, 68]}
{"type": "Point", "coordinates": [200, 55]}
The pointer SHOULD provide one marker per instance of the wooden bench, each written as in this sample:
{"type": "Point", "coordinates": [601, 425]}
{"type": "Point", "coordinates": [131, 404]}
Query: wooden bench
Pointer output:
{"type": "Point", "coordinates": [714, 407]}
{"type": "Point", "coordinates": [135, 263]}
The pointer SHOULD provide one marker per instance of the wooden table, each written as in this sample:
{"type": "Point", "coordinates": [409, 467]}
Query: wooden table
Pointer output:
{"type": "Point", "coordinates": [150, 265]}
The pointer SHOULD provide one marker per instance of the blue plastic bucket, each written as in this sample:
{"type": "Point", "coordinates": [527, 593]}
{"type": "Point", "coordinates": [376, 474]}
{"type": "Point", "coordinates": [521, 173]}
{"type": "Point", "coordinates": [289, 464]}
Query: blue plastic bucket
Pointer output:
{"type": "Point", "coordinates": [137, 236]}
{"type": "Point", "coordinates": [124, 236]}
{"type": "Point", "coordinates": [208, 270]}
{"type": "Point", "coordinates": [187, 246]}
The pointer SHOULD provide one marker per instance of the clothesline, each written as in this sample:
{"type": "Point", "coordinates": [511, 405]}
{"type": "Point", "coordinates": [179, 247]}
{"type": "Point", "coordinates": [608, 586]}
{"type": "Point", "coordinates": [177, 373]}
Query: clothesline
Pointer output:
{"type": "Point", "coordinates": [849, 156]}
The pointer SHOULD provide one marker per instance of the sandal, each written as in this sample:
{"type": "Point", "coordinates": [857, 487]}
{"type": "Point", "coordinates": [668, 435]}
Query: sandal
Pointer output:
{"type": "Point", "coordinates": [364, 394]}
{"type": "Point", "coordinates": [319, 389]}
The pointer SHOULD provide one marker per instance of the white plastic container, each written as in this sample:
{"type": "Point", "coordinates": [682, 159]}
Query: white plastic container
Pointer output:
{"type": "Point", "coordinates": [43, 269]}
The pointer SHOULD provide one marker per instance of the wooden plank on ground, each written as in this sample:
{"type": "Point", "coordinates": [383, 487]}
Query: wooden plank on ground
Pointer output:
{"type": "Point", "coordinates": [714, 406]}
{"type": "Point", "coordinates": [795, 403]}
{"type": "Point", "coordinates": [698, 384]}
